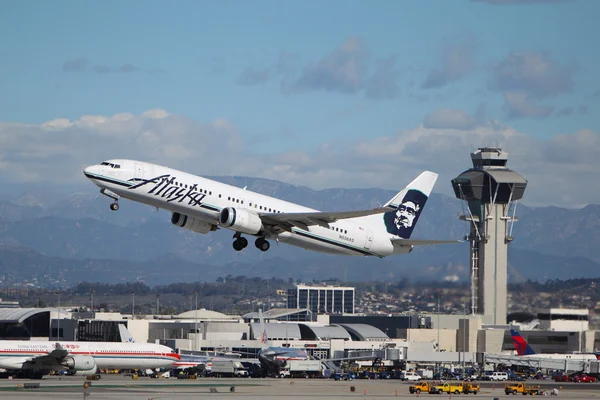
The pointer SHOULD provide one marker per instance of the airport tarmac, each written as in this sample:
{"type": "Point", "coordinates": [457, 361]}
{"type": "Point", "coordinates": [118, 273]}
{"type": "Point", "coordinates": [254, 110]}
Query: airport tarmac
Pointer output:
{"type": "Point", "coordinates": [112, 387]}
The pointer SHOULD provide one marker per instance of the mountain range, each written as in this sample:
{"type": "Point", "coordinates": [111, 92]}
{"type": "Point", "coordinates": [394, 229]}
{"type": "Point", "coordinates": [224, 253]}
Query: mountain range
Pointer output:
{"type": "Point", "coordinates": [56, 243]}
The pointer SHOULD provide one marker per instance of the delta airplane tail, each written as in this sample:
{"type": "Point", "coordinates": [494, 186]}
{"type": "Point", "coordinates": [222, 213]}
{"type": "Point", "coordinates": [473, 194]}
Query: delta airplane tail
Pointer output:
{"type": "Point", "coordinates": [523, 348]}
{"type": "Point", "coordinates": [408, 205]}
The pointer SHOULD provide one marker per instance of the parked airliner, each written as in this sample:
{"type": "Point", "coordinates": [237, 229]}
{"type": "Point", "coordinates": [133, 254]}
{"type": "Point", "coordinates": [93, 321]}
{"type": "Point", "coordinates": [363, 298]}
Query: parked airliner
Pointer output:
{"type": "Point", "coordinates": [203, 205]}
{"type": "Point", "coordinates": [524, 349]}
{"type": "Point", "coordinates": [38, 358]}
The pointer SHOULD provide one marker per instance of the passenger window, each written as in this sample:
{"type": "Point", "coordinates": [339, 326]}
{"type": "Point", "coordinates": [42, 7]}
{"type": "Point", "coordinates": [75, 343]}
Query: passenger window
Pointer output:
{"type": "Point", "coordinates": [229, 198]}
{"type": "Point", "coordinates": [261, 207]}
{"type": "Point", "coordinates": [210, 193]}
{"type": "Point", "coordinates": [219, 195]}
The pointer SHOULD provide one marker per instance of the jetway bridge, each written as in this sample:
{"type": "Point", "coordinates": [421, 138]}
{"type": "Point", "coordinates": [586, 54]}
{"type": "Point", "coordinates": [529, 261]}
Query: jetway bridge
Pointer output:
{"type": "Point", "coordinates": [544, 363]}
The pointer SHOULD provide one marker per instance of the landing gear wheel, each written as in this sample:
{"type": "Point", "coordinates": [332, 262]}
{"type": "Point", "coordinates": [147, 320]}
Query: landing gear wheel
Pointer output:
{"type": "Point", "coordinates": [240, 243]}
{"type": "Point", "coordinates": [262, 244]}
{"type": "Point", "coordinates": [114, 206]}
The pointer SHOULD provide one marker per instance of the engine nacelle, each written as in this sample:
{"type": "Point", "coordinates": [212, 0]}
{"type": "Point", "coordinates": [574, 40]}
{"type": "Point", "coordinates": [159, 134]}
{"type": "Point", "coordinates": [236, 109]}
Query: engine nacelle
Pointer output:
{"type": "Point", "coordinates": [191, 223]}
{"type": "Point", "coordinates": [86, 372]}
{"type": "Point", "coordinates": [79, 363]}
{"type": "Point", "coordinates": [241, 220]}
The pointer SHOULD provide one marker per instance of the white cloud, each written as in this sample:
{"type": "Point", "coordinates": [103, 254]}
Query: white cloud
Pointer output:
{"type": "Point", "coordinates": [448, 118]}
{"type": "Point", "coordinates": [58, 150]}
{"type": "Point", "coordinates": [457, 62]}
{"type": "Point", "coordinates": [534, 74]}
{"type": "Point", "coordinates": [519, 105]}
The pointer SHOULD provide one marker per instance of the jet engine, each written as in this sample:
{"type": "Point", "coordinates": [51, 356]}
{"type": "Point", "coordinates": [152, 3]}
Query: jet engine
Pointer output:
{"type": "Point", "coordinates": [81, 365]}
{"type": "Point", "coordinates": [241, 220]}
{"type": "Point", "coordinates": [192, 224]}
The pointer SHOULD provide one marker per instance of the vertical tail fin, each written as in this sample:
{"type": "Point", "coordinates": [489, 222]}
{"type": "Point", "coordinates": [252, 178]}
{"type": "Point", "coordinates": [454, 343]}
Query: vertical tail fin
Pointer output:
{"type": "Point", "coordinates": [523, 348]}
{"type": "Point", "coordinates": [408, 205]}
{"type": "Point", "coordinates": [263, 330]}
{"type": "Point", "coordinates": [125, 335]}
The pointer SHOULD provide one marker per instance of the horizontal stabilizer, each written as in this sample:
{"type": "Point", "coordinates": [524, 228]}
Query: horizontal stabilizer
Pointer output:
{"type": "Point", "coordinates": [418, 242]}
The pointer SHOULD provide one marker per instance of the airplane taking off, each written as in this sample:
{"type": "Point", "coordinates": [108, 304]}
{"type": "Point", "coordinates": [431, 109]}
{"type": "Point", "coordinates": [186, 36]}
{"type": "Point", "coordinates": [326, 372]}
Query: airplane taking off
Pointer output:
{"type": "Point", "coordinates": [203, 205]}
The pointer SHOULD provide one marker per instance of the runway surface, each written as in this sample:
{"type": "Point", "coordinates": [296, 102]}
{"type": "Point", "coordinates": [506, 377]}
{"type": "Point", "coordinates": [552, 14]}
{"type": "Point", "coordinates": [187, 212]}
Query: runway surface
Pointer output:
{"type": "Point", "coordinates": [112, 387]}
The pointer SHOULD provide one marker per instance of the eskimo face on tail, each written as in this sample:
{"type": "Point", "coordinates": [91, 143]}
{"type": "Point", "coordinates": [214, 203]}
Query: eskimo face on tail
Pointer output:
{"type": "Point", "coordinates": [402, 221]}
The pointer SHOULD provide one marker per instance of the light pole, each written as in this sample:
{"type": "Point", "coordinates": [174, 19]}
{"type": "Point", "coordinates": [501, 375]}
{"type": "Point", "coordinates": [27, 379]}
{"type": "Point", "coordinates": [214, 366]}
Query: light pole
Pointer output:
{"type": "Point", "coordinates": [196, 323]}
{"type": "Point", "coordinates": [157, 303]}
{"type": "Point", "coordinates": [464, 335]}
{"type": "Point", "coordinates": [58, 319]}
{"type": "Point", "coordinates": [132, 305]}
{"type": "Point", "coordinates": [92, 293]}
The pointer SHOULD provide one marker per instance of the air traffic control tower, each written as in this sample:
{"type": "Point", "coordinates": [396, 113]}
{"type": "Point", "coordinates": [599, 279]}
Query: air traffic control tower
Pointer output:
{"type": "Point", "coordinates": [490, 192]}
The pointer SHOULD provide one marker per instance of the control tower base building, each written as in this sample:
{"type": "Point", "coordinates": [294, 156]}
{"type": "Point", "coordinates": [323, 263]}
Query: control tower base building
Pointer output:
{"type": "Point", "coordinates": [490, 191]}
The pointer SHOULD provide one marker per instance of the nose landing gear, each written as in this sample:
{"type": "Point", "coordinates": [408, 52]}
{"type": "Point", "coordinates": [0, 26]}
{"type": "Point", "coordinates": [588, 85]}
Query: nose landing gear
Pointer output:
{"type": "Point", "coordinates": [115, 205]}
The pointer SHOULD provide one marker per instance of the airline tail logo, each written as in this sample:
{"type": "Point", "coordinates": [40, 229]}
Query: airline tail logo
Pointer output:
{"type": "Point", "coordinates": [523, 348]}
{"type": "Point", "coordinates": [402, 221]}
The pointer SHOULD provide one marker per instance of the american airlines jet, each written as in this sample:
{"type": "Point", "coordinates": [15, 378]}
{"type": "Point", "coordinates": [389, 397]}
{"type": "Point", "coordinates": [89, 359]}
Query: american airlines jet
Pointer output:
{"type": "Point", "coordinates": [203, 205]}
{"type": "Point", "coordinates": [37, 358]}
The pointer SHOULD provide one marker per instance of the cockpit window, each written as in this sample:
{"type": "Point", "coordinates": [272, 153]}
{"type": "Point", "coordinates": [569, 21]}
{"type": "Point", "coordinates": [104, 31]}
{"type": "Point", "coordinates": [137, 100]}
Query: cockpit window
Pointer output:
{"type": "Point", "coordinates": [104, 163]}
{"type": "Point", "coordinates": [110, 165]}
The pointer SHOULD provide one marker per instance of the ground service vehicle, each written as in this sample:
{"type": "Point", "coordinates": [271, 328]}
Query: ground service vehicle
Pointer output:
{"type": "Point", "coordinates": [469, 387]}
{"type": "Point", "coordinates": [424, 387]}
{"type": "Point", "coordinates": [448, 387]}
{"type": "Point", "coordinates": [410, 376]}
{"type": "Point", "coordinates": [301, 369]}
{"type": "Point", "coordinates": [521, 388]}
{"type": "Point", "coordinates": [583, 378]}
{"type": "Point", "coordinates": [499, 376]}
{"type": "Point", "coordinates": [228, 368]}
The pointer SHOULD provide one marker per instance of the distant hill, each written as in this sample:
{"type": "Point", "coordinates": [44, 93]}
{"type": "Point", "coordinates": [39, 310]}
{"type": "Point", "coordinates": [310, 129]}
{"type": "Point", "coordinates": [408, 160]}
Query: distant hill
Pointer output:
{"type": "Point", "coordinates": [80, 237]}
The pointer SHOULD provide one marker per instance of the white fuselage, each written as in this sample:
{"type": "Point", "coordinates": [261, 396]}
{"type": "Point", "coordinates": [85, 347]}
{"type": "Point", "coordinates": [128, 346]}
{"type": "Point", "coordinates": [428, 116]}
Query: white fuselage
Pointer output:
{"type": "Point", "coordinates": [14, 353]}
{"type": "Point", "coordinates": [203, 199]}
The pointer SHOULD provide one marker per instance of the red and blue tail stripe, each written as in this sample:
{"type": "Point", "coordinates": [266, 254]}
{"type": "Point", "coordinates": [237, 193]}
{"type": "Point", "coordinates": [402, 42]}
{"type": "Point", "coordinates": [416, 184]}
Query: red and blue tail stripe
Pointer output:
{"type": "Point", "coordinates": [523, 348]}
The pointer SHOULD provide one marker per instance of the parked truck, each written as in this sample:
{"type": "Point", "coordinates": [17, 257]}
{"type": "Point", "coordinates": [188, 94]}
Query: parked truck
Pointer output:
{"type": "Point", "coordinates": [521, 388]}
{"type": "Point", "coordinates": [301, 369]}
{"type": "Point", "coordinates": [447, 387]}
{"type": "Point", "coordinates": [424, 387]}
{"type": "Point", "coordinates": [228, 368]}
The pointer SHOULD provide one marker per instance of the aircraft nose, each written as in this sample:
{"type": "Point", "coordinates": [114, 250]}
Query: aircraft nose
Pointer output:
{"type": "Point", "coordinates": [90, 171]}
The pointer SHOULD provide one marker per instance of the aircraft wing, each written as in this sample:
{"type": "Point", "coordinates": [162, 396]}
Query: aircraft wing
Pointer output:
{"type": "Point", "coordinates": [303, 220]}
{"type": "Point", "coordinates": [420, 242]}
{"type": "Point", "coordinates": [53, 358]}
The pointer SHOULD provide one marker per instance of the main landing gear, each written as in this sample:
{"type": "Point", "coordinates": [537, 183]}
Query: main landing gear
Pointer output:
{"type": "Point", "coordinates": [115, 205]}
{"type": "Point", "coordinates": [262, 244]}
{"type": "Point", "coordinates": [241, 243]}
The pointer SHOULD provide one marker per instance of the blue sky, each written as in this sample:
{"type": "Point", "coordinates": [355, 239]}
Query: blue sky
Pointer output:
{"type": "Point", "coordinates": [294, 82]}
